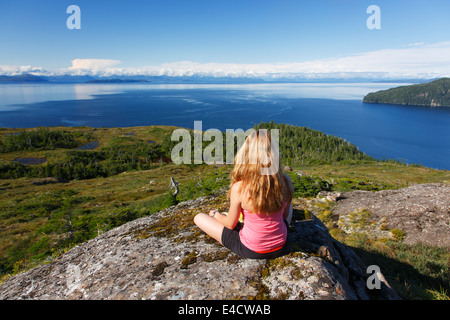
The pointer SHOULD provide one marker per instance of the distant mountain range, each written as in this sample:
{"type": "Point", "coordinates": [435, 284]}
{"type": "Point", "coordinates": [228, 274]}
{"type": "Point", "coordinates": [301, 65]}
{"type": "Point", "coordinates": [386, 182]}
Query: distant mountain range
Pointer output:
{"type": "Point", "coordinates": [194, 79]}
{"type": "Point", "coordinates": [29, 78]}
{"type": "Point", "coordinates": [117, 81]}
{"type": "Point", "coordinates": [432, 94]}
{"type": "Point", "coordinates": [22, 78]}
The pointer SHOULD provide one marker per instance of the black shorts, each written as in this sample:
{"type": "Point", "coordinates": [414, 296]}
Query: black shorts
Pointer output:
{"type": "Point", "coordinates": [232, 241]}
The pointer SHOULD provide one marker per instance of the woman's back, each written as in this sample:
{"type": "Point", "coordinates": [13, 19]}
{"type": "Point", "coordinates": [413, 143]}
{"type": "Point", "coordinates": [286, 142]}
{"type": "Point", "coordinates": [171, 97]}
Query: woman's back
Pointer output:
{"type": "Point", "coordinates": [261, 232]}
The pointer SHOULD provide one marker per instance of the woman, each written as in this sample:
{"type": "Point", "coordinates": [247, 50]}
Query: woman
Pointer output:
{"type": "Point", "coordinates": [262, 196]}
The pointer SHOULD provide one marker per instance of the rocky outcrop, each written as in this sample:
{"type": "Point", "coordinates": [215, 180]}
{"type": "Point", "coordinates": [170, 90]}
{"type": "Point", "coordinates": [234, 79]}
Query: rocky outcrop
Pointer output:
{"type": "Point", "coordinates": [418, 214]}
{"type": "Point", "coordinates": [165, 256]}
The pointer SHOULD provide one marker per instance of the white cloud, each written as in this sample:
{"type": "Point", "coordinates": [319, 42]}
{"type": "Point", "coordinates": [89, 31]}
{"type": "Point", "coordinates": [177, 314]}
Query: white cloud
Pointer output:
{"type": "Point", "coordinates": [93, 63]}
{"type": "Point", "coordinates": [418, 60]}
{"type": "Point", "coordinates": [16, 70]}
{"type": "Point", "coordinates": [92, 66]}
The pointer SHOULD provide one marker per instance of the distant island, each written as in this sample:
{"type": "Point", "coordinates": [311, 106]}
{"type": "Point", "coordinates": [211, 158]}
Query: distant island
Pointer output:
{"type": "Point", "coordinates": [432, 94]}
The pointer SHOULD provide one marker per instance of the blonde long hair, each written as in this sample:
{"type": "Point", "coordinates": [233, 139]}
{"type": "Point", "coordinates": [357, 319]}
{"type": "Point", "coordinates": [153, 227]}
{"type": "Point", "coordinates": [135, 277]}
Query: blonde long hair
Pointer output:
{"type": "Point", "coordinates": [267, 189]}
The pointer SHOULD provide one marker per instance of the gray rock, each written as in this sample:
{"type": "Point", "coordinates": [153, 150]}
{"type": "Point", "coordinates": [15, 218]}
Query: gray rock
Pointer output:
{"type": "Point", "coordinates": [165, 256]}
{"type": "Point", "coordinates": [421, 211]}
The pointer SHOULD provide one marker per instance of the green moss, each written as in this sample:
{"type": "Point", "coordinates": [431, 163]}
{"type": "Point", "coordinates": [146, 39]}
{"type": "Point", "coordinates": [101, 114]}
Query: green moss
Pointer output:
{"type": "Point", "coordinates": [233, 258]}
{"type": "Point", "coordinates": [280, 263]}
{"type": "Point", "coordinates": [262, 291]}
{"type": "Point", "coordinates": [190, 259]}
{"type": "Point", "coordinates": [359, 218]}
{"type": "Point", "coordinates": [159, 269]}
{"type": "Point", "coordinates": [214, 256]}
{"type": "Point", "coordinates": [296, 274]}
{"type": "Point", "coordinates": [265, 272]}
{"type": "Point", "coordinates": [337, 234]}
{"type": "Point", "coordinates": [169, 226]}
{"type": "Point", "coordinates": [283, 295]}
{"type": "Point", "coordinates": [325, 216]}
{"type": "Point", "coordinates": [285, 262]}
{"type": "Point", "coordinates": [398, 234]}
{"type": "Point", "coordinates": [384, 227]}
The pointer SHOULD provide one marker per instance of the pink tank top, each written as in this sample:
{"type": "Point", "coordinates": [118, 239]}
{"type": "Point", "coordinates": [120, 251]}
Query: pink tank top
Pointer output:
{"type": "Point", "coordinates": [263, 233]}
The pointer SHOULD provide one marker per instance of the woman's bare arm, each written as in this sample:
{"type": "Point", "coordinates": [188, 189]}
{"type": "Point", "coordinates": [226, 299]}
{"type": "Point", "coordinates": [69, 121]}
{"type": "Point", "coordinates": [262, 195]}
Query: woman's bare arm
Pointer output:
{"type": "Point", "coordinates": [231, 219]}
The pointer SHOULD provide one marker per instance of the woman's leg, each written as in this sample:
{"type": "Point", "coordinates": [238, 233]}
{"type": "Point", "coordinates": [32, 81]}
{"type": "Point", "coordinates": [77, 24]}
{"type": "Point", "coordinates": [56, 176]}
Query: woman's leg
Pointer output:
{"type": "Point", "coordinates": [209, 225]}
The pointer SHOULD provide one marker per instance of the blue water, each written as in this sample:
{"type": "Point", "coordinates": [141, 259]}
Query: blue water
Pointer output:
{"type": "Point", "coordinates": [413, 134]}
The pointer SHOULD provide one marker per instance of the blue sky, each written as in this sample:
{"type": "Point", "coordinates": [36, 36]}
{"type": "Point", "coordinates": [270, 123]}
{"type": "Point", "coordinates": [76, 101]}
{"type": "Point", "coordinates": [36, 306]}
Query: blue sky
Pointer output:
{"type": "Point", "coordinates": [226, 37]}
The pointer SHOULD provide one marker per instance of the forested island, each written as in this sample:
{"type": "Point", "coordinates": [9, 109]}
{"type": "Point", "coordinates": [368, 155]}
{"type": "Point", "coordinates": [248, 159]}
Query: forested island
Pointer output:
{"type": "Point", "coordinates": [432, 94]}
